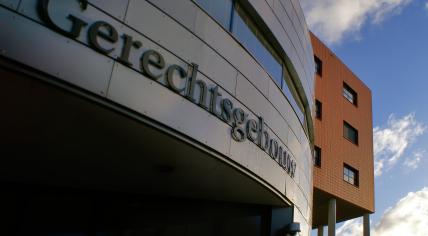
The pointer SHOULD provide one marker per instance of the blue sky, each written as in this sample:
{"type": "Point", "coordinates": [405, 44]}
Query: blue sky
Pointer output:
{"type": "Point", "coordinates": [385, 42]}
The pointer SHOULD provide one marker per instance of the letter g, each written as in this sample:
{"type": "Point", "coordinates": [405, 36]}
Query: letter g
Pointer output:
{"type": "Point", "coordinates": [78, 24]}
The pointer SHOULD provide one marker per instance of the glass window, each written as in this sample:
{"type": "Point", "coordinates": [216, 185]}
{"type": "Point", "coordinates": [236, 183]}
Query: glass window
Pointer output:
{"type": "Point", "coordinates": [350, 175]}
{"type": "Point", "coordinates": [318, 109]}
{"type": "Point", "coordinates": [317, 156]}
{"type": "Point", "coordinates": [292, 95]}
{"type": "Point", "coordinates": [251, 38]}
{"type": "Point", "coordinates": [350, 133]}
{"type": "Point", "coordinates": [221, 10]}
{"type": "Point", "coordinates": [231, 15]}
{"type": "Point", "coordinates": [318, 65]}
{"type": "Point", "coordinates": [349, 94]}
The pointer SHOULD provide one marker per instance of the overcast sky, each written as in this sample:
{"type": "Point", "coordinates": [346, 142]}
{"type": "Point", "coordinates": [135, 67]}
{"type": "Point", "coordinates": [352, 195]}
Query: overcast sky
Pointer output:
{"type": "Point", "coordinates": [385, 42]}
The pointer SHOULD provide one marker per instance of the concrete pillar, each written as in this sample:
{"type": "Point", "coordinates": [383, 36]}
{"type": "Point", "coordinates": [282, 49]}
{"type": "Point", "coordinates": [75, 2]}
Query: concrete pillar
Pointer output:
{"type": "Point", "coordinates": [366, 225]}
{"type": "Point", "coordinates": [320, 230]}
{"type": "Point", "coordinates": [332, 217]}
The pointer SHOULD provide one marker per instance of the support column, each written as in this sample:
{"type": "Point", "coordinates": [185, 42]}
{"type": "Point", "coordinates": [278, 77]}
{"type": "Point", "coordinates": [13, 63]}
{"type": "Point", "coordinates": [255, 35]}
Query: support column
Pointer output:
{"type": "Point", "coordinates": [332, 217]}
{"type": "Point", "coordinates": [366, 225]}
{"type": "Point", "coordinates": [320, 230]}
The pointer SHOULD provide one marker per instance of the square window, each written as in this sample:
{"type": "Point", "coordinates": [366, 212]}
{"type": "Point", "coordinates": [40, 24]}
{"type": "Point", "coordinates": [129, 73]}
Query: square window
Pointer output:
{"type": "Point", "coordinates": [318, 109]}
{"type": "Point", "coordinates": [317, 156]}
{"type": "Point", "coordinates": [350, 175]}
{"type": "Point", "coordinates": [350, 133]}
{"type": "Point", "coordinates": [318, 66]}
{"type": "Point", "coordinates": [349, 94]}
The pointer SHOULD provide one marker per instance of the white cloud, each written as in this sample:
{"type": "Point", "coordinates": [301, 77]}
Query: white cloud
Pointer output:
{"type": "Point", "coordinates": [391, 142]}
{"type": "Point", "coordinates": [351, 228]}
{"type": "Point", "coordinates": [331, 20]}
{"type": "Point", "coordinates": [409, 216]}
{"type": "Point", "coordinates": [413, 161]}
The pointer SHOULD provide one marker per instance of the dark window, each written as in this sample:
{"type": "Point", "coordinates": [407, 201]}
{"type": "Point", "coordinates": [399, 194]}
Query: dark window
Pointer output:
{"type": "Point", "coordinates": [318, 109]}
{"type": "Point", "coordinates": [350, 133]}
{"type": "Point", "coordinates": [318, 65]}
{"type": "Point", "coordinates": [350, 94]}
{"type": "Point", "coordinates": [350, 175]}
{"type": "Point", "coordinates": [317, 156]}
{"type": "Point", "coordinates": [220, 10]}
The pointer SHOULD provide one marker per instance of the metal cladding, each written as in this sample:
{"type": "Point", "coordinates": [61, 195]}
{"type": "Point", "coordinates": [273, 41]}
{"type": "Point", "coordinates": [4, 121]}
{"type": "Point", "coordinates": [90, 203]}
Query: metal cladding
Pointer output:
{"type": "Point", "coordinates": [171, 62]}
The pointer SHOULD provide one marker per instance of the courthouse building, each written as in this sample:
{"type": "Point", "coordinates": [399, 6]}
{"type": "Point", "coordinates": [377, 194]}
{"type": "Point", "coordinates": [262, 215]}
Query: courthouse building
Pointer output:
{"type": "Point", "coordinates": [167, 117]}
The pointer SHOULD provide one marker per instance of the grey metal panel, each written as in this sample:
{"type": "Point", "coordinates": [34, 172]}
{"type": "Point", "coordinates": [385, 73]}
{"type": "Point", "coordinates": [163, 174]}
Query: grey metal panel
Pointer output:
{"type": "Point", "coordinates": [148, 97]}
{"type": "Point", "coordinates": [294, 16]}
{"type": "Point", "coordinates": [305, 227]}
{"type": "Point", "coordinates": [184, 11]}
{"type": "Point", "coordinates": [308, 152]}
{"type": "Point", "coordinates": [180, 41]}
{"type": "Point", "coordinates": [63, 8]}
{"type": "Point", "coordinates": [290, 189]}
{"type": "Point", "coordinates": [214, 66]}
{"type": "Point", "coordinates": [53, 53]}
{"type": "Point", "coordinates": [301, 40]}
{"type": "Point", "coordinates": [301, 27]}
{"type": "Point", "coordinates": [288, 25]}
{"type": "Point", "coordinates": [277, 98]}
{"type": "Point", "coordinates": [302, 63]}
{"type": "Point", "coordinates": [116, 8]}
{"type": "Point", "coordinates": [256, 160]}
{"type": "Point", "coordinates": [300, 14]}
{"type": "Point", "coordinates": [270, 2]}
{"type": "Point", "coordinates": [216, 37]}
{"type": "Point", "coordinates": [302, 32]}
{"type": "Point", "coordinates": [270, 19]}
{"type": "Point", "coordinates": [29, 8]}
{"type": "Point", "coordinates": [295, 33]}
{"type": "Point", "coordinates": [304, 184]}
{"type": "Point", "coordinates": [301, 197]}
{"type": "Point", "coordinates": [295, 147]}
{"type": "Point", "coordinates": [261, 106]}
{"type": "Point", "coordinates": [302, 204]}
{"type": "Point", "coordinates": [252, 98]}
{"type": "Point", "coordinates": [254, 73]}
{"type": "Point", "coordinates": [279, 125]}
{"type": "Point", "coordinates": [303, 138]}
{"type": "Point", "coordinates": [227, 46]}
{"type": "Point", "coordinates": [12, 4]}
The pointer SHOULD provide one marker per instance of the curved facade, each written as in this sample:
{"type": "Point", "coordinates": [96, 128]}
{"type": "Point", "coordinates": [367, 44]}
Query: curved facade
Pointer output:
{"type": "Point", "coordinates": [181, 99]}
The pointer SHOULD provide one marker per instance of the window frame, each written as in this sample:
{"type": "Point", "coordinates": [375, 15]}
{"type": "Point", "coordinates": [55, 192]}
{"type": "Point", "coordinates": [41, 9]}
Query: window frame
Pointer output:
{"type": "Point", "coordinates": [318, 109]}
{"type": "Point", "coordinates": [347, 172]}
{"type": "Point", "coordinates": [318, 66]}
{"type": "Point", "coordinates": [317, 158]}
{"type": "Point", "coordinates": [350, 94]}
{"type": "Point", "coordinates": [349, 126]}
